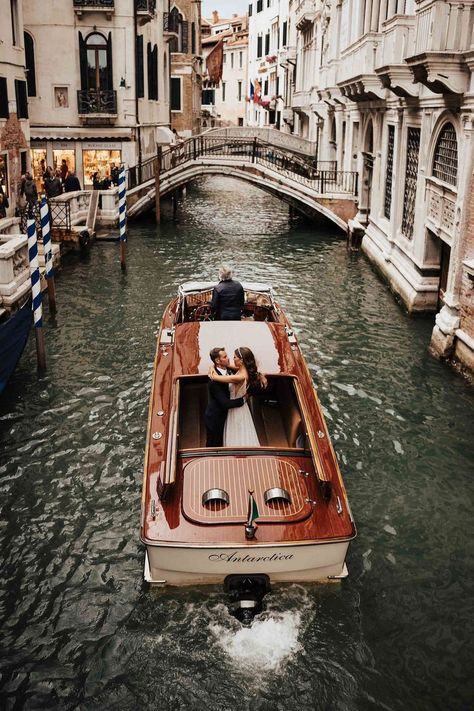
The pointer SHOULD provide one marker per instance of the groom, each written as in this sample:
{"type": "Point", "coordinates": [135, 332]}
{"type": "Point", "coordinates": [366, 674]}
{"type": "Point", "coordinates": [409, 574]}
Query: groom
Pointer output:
{"type": "Point", "coordinates": [219, 401]}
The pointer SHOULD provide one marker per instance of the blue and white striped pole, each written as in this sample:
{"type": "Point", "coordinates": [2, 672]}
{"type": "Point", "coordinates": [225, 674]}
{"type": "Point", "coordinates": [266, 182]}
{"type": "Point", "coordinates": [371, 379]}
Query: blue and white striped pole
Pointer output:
{"type": "Point", "coordinates": [122, 217]}
{"type": "Point", "coordinates": [48, 253]}
{"type": "Point", "coordinates": [36, 292]}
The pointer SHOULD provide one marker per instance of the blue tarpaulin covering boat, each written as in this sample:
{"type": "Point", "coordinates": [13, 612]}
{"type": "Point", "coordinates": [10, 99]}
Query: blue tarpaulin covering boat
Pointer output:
{"type": "Point", "coordinates": [13, 337]}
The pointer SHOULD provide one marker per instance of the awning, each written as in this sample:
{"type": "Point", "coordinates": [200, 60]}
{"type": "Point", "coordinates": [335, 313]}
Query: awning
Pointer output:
{"type": "Point", "coordinates": [74, 133]}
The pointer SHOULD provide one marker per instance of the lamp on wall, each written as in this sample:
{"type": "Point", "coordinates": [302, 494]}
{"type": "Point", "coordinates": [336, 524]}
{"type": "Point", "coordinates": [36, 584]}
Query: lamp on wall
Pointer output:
{"type": "Point", "coordinates": [123, 83]}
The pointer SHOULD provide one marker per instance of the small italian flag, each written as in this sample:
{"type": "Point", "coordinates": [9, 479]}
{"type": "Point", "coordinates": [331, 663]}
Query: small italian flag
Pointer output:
{"type": "Point", "coordinates": [253, 509]}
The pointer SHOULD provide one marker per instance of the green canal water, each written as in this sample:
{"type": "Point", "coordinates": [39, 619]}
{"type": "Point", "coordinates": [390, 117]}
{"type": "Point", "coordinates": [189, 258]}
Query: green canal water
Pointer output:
{"type": "Point", "coordinates": [80, 630]}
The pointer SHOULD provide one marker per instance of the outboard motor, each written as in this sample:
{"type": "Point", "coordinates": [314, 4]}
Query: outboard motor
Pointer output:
{"type": "Point", "coordinates": [246, 594]}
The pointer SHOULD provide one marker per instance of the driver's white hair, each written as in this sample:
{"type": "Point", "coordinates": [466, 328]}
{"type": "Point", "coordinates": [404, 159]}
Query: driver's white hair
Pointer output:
{"type": "Point", "coordinates": [225, 273]}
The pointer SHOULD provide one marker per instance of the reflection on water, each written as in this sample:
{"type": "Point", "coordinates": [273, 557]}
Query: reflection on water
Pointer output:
{"type": "Point", "coordinates": [79, 628]}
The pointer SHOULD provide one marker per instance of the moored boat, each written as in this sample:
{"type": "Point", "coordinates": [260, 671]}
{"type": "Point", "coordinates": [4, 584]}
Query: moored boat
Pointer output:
{"type": "Point", "coordinates": [14, 331]}
{"type": "Point", "coordinates": [196, 499]}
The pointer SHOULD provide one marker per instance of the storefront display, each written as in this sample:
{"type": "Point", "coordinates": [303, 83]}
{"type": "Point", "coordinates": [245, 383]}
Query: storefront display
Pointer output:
{"type": "Point", "coordinates": [4, 173]}
{"type": "Point", "coordinates": [38, 165]}
{"type": "Point", "coordinates": [65, 154]}
{"type": "Point", "coordinates": [100, 161]}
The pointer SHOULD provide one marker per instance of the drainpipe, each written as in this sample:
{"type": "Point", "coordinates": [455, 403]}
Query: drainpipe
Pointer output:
{"type": "Point", "coordinates": [137, 115]}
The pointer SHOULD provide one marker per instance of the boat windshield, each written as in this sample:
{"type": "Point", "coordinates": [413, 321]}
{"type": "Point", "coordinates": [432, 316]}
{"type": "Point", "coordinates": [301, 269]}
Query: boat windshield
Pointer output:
{"type": "Point", "coordinates": [275, 413]}
{"type": "Point", "coordinates": [195, 303]}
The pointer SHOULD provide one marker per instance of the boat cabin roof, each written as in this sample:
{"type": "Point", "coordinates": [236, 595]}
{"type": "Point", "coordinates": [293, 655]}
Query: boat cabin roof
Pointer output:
{"type": "Point", "coordinates": [269, 342]}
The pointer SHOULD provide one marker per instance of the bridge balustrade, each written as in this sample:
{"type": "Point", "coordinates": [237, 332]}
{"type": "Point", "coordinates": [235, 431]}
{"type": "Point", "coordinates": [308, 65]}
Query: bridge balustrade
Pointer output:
{"type": "Point", "coordinates": [322, 177]}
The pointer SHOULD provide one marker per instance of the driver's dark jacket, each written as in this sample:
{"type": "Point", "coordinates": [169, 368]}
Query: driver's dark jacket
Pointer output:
{"type": "Point", "coordinates": [228, 300]}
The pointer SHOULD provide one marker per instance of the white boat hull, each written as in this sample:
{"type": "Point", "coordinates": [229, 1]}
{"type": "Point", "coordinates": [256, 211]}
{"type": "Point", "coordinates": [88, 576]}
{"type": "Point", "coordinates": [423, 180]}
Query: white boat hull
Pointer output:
{"type": "Point", "coordinates": [201, 565]}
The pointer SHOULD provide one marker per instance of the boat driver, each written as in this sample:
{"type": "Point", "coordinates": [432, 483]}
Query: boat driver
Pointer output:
{"type": "Point", "coordinates": [228, 297]}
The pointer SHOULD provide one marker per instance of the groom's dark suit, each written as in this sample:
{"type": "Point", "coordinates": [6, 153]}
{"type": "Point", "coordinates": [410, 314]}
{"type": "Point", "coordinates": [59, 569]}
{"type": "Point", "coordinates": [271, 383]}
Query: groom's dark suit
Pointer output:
{"type": "Point", "coordinates": [219, 403]}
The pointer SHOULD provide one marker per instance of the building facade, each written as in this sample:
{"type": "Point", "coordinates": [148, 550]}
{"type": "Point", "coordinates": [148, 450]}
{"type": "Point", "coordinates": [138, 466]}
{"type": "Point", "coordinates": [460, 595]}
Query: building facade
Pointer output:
{"type": "Point", "coordinates": [224, 45]}
{"type": "Point", "coordinates": [270, 63]}
{"type": "Point", "coordinates": [385, 88]}
{"type": "Point", "coordinates": [14, 121]}
{"type": "Point", "coordinates": [100, 94]}
{"type": "Point", "coordinates": [186, 66]}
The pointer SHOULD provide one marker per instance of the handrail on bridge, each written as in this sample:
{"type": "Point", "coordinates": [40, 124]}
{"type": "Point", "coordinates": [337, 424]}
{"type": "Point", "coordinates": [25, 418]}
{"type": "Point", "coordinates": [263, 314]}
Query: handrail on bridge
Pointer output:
{"type": "Point", "coordinates": [323, 177]}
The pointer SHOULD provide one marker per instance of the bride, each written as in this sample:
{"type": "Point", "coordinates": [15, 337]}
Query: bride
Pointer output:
{"type": "Point", "coordinates": [239, 430]}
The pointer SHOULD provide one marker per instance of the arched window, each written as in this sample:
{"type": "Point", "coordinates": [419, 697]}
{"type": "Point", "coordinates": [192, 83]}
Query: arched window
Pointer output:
{"type": "Point", "coordinates": [96, 62]}
{"type": "Point", "coordinates": [30, 64]}
{"type": "Point", "coordinates": [445, 161]}
{"type": "Point", "coordinates": [179, 24]}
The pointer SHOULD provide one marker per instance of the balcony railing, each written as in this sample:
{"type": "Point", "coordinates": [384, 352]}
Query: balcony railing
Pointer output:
{"type": "Point", "coordinates": [101, 101]}
{"type": "Point", "coordinates": [170, 23]}
{"type": "Point", "coordinates": [94, 4]}
{"type": "Point", "coordinates": [147, 7]}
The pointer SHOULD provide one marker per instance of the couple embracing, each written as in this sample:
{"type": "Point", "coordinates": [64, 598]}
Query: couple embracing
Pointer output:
{"type": "Point", "coordinates": [228, 418]}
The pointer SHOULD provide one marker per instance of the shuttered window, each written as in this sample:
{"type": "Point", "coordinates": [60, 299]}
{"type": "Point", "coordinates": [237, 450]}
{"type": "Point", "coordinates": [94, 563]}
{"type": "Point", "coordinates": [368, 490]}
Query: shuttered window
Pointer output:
{"type": "Point", "coordinates": [139, 67]}
{"type": "Point", "coordinates": [21, 99]}
{"type": "Point", "coordinates": [175, 94]}
{"type": "Point", "coordinates": [259, 47]}
{"type": "Point", "coordinates": [152, 66]}
{"type": "Point", "coordinates": [4, 112]}
{"type": "Point", "coordinates": [30, 64]}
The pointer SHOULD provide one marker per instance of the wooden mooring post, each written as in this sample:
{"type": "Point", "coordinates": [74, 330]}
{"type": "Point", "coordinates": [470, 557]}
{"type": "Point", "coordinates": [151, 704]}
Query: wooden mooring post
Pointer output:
{"type": "Point", "coordinates": [36, 292]}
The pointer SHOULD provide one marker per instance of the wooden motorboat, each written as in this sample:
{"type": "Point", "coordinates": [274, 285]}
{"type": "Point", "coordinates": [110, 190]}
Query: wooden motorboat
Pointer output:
{"type": "Point", "coordinates": [14, 331]}
{"type": "Point", "coordinates": [195, 502]}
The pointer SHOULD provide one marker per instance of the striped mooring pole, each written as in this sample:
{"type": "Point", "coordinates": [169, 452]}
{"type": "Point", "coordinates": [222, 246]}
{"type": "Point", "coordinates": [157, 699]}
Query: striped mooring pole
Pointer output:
{"type": "Point", "coordinates": [36, 292]}
{"type": "Point", "coordinates": [48, 253]}
{"type": "Point", "coordinates": [122, 219]}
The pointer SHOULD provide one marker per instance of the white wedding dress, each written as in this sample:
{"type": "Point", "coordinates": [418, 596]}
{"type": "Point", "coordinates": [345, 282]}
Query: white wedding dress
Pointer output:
{"type": "Point", "coordinates": [239, 430]}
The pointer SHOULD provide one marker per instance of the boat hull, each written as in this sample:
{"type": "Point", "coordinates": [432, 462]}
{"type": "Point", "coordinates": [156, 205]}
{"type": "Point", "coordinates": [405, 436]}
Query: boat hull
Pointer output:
{"type": "Point", "coordinates": [13, 337]}
{"type": "Point", "coordinates": [204, 565]}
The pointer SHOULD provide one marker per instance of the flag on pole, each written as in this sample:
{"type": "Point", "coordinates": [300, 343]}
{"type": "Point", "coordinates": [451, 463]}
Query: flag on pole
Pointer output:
{"type": "Point", "coordinates": [35, 273]}
{"type": "Point", "coordinates": [122, 207]}
{"type": "Point", "coordinates": [253, 510]}
{"type": "Point", "coordinates": [252, 90]}
{"type": "Point", "coordinates": [46, 231]}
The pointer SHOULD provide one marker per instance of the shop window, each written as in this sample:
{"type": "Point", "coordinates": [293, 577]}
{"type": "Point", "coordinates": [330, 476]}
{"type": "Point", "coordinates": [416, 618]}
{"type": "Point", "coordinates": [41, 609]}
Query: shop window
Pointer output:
{"type": "Point", "coordinates": [445, 162]}
{"type": "Point", "coordinates": [96, 62]}
{"type": "Point", "coordinates": [30, 64]}
{"type": "Point", "coordinates": [38, 160]}
{"type": "Point", "coordinates": [179, 43]}
{"type": "Point", "coordinates": [4, 173]}
{"type": "Point", "coordinates": [64, 161]}
{"type": "Point", "coordinates": [139, 67]}
{"type": "Point", "coordinates": [152, 66]}
{"type": "Point", "coordinates": [176, 94]}
{"type": "Point", "coordinates": [21, 99]}
{"type": "Point", "coordinates": [101, 162]}
{"type": "Point", "coordinates": [4, 112]}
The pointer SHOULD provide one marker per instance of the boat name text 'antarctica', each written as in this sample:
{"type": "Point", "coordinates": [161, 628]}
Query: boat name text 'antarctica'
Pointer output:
{"type": "Point", "coordinates": [234, 558]}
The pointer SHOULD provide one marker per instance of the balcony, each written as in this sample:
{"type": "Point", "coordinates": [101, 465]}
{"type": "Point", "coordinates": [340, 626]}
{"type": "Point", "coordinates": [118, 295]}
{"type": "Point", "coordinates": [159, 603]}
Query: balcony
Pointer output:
{"type": "Point", "coordinates": [145, 10]}
{"type": "Point", "coordinates": [97, 107]}
{"type": "Point", "coordinates": [287, 56]}
{"type": "Point", "coordinates": [398, 41]}
{"type": "Point", "coordinates": [357, 81]}
{"type": "Point", "coordinates": [170, 24]}
{"type": "Point", "coordinates": [443, 35]}
{"type": "Point", "coordinates": [441, 209]}
{"type": "Point", "coordinates": [287, 116]}
{"type": "Point", "coordinates": [305, 15]}
{"type": "Point", "coordinates": [107, 6]}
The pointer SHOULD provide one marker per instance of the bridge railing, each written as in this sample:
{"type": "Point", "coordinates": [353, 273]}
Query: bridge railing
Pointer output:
{"type": "Point", "coordinates": [321, 176]}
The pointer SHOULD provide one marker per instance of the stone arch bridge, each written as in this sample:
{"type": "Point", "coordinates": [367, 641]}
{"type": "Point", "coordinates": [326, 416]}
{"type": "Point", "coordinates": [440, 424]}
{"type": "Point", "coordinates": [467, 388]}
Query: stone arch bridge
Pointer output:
{"type": "Point", "coordinates": [315, 188]}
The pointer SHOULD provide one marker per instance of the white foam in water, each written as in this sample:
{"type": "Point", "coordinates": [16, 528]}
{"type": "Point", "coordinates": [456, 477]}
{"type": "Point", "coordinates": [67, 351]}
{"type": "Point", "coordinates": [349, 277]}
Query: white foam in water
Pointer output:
{"type": "Point", "coordinates": [266, 644]}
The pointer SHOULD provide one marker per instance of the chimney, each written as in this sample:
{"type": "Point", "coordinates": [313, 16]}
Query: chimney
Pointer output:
{"type": "Point", "coordinates": [215, 17]}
